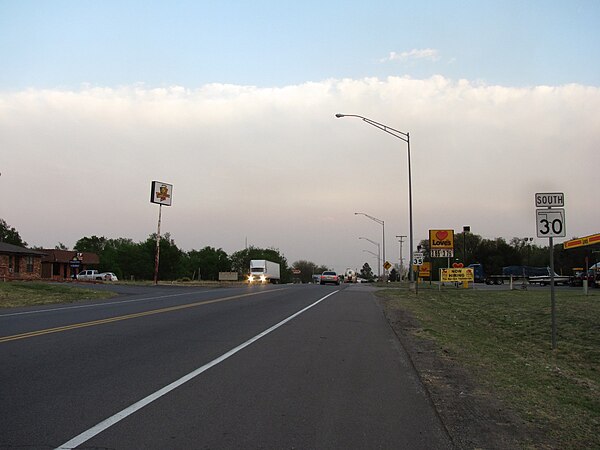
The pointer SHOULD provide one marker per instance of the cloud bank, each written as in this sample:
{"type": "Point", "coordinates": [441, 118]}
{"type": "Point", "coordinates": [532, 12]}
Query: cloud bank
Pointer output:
{"type": "Point", "coordinates": [273, 166]}
{"type": "Point", "coordinates": [429, 54]}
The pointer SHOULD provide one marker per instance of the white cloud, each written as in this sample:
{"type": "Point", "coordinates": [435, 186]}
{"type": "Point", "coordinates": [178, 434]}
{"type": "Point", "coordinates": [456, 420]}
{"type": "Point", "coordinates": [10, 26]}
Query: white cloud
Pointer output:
{"type": "Point", "coordinates": [275, 166]}
{"type": "Point", "coordinates": [429, 54]}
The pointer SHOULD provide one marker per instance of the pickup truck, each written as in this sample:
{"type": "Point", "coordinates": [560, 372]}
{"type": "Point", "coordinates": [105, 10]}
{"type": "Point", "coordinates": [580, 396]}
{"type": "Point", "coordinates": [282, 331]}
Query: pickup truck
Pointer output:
{"type": "Point", "coordinates": [94, 275]}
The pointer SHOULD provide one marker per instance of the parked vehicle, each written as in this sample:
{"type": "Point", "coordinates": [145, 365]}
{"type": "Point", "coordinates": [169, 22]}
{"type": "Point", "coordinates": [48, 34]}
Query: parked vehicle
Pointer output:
{"type": "Point", "coordinates": [329, 277]}
{"type": "Point", "coordinates": [592, 276]}
{"type": "Point", "coordinates": [108, 276]}
{"type": "Point", "coordinates": [87, 275]}
{"type": "Point", "coordinates": [263, 271]}
{"type": "Point", "coordinates": [544, 280]}
{"type": "Point", "coordinates": [94, 275]}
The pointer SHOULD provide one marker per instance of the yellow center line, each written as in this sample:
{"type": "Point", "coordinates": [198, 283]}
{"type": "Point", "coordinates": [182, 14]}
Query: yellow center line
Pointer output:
{"type": "Point", "coordinates": [125, 317]}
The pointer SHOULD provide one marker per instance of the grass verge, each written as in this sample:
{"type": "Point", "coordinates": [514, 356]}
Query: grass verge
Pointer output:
{"type": "Point", "coordinates": [31, 293]}
{"type": "Point", "coordinates": [504, 339]}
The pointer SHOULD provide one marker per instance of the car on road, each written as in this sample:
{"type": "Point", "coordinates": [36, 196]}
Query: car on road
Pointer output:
{"type": "Point", "coordinates": [329, 277]}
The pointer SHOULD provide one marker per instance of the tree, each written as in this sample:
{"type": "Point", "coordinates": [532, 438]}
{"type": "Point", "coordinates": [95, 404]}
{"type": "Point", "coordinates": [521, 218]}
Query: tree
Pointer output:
{"type": "Point", "coordinates": [207, 263]}
{"type": "Point", "coordinates": [127, 259]}
{"type": "Point", "coordinates": [10, 235]}
{"type": "Point", "coordinates": [465, 247]}
{"type": "Point", "coordinates": [393, 275]}
{"type": "Point", "coordinates": [307, 270]}
{"type": "Point", "coordinates": [366, 272]}
{"type": "Point", "coordinates": [61, 246]}
{"type": "Point", "coordinates": [170, 265]}
{"type": "Point", "coordinates": [93, 244]}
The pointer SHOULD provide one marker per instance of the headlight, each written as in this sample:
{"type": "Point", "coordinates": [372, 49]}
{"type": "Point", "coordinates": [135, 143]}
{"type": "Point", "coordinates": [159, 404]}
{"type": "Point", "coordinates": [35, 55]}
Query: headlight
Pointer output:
{"type": "Point", "coordinates": [250, 278]}
{"type": "Point", "coordinates": [263, 278]}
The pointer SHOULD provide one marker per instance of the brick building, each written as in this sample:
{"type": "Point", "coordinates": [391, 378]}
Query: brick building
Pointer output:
{"type": "Point", "coordinates": [58, 264]}
{"type": "Point", "coordinates": [19, 263]}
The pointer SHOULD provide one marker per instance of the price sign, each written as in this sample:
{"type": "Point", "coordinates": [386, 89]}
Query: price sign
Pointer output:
{"type": "Point", "coordinates": [550, 223]}
{"type": "Point", "coordinates": [442, 253]}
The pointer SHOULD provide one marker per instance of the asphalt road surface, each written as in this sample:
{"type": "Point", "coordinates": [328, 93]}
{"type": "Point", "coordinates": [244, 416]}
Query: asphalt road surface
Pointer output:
{"type": "Point", "coordinates": [274, 367]}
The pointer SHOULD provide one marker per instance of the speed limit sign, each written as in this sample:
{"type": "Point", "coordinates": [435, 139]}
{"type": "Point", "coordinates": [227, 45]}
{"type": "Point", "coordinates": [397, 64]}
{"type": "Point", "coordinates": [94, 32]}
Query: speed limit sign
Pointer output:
{"type": "Point", "coordinates": [550, 222]}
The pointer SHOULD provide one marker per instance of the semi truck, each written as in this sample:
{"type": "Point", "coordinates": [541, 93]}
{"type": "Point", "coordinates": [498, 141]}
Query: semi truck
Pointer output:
{"type": "Point", "coordinates": [263, 271]}
{"type": "Point", "coordinates": [539, 275]}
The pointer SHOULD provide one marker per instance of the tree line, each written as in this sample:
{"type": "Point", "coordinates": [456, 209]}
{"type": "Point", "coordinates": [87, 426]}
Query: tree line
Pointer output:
{"type": "Point", "coordinates": [129, 259]}
{"type": "Point", "coordinates": [135, 260]}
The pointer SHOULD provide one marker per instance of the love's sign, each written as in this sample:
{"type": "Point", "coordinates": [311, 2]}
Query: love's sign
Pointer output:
{"type": "Point", "coordinates": [441, 239]}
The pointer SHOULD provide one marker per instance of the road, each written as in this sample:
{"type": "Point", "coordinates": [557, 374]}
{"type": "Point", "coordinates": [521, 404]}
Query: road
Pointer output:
{"type": "Point", "coordinates": [298, 366]}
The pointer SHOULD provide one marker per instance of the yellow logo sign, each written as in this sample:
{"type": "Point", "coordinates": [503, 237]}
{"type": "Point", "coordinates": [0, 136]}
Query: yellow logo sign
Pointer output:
{"type": "Point", "coordinates": [580, 242]}
{"type": "Point", "coordinates": [425, 270]}
{"type": "Point", "coordinates": [441, 239]}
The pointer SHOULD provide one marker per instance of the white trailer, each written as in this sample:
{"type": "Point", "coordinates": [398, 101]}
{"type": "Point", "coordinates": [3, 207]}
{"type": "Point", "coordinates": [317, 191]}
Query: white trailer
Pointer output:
{"type": "Point", "coordinates": [263, 271]}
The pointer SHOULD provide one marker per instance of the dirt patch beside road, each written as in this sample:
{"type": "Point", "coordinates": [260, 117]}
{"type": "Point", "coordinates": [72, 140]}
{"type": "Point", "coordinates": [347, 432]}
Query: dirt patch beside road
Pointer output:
{"type": "Point", "coordinates": [473, 416]}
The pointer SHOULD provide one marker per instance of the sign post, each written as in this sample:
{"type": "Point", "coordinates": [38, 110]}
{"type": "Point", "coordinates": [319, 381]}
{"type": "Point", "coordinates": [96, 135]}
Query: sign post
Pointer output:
{"type": "Point", "coordinates": [441, 245]}
{"type": "Point", "coordinates": [417, 261]}
{"type": "Point", "coordinates": [162, 194]}
{"type": "Point", "coordinates": [550, 223]}
{"type": "Point", "coordinates": [75, 264]}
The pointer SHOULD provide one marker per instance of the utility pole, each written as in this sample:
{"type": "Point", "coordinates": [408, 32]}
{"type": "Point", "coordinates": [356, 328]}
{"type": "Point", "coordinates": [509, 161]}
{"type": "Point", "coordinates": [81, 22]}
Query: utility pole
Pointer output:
{"type": "Point", "coordinates": [401, 240]}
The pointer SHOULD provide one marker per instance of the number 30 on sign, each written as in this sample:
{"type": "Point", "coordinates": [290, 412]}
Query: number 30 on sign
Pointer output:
{"type": "Point", "coordinates": [550, 223]}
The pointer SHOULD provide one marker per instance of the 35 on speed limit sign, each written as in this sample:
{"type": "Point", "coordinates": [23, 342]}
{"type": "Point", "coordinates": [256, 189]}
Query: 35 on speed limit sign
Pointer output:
{"type": "Point", "coordinates": [550, 223]}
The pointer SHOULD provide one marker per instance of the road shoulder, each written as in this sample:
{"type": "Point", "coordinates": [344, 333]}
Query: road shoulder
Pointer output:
{"type": "Point", "coordinates": [473, 416]}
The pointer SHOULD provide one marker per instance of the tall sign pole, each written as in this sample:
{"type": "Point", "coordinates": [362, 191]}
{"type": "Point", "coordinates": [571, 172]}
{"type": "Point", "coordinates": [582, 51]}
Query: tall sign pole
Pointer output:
{"type": "Point", "coordinates": [157, 255]}
{"type": "Point", "coordinates": [550, 221]}
{"type": "Point", "coordinates": [161, 194]}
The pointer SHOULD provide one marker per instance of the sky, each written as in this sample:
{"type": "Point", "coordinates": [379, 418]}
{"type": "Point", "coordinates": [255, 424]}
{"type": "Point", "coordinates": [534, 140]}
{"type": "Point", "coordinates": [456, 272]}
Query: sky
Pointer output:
{"type": "Point", "coordinates": [234, 103]}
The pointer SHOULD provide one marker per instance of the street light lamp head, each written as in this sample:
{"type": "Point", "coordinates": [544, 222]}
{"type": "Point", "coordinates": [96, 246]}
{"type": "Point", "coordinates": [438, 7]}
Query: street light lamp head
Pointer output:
{"type": "Point", "coordinates": [338, 115]}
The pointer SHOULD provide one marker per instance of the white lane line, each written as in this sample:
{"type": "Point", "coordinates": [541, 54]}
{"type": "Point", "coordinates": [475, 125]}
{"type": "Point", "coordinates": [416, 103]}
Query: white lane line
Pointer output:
{"type": "Point", "coordinates": [107, 303]}
{"type": "Point", "coordinates": [107, 423]}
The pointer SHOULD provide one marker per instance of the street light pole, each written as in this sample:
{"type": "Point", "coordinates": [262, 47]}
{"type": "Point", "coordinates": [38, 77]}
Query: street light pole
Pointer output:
{"type": "Point", "coordinates": [406, 138]}
{"type": "Point", "coordinates": [382, 223]}
{"type": "Point", "coordinates": [378, 254]}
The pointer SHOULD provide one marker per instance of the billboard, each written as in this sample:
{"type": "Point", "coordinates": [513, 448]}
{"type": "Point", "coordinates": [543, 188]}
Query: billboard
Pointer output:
{"type": "Point", "coordinates": [441, 239]}
{"type": "Point", "coordinates": [455, 275]}
{"type": "Point", "coordinates": [161, 193]}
